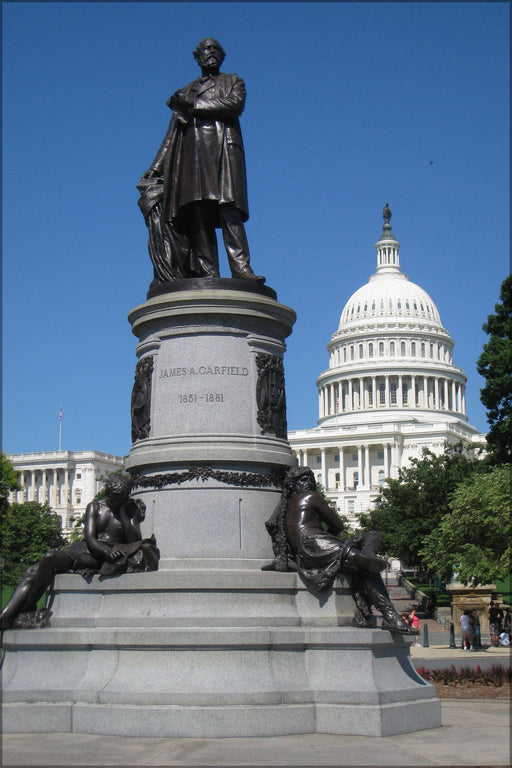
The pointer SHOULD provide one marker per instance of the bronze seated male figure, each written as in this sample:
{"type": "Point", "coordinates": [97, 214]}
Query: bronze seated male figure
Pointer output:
{"type": "Point", "coordinates": [112, 544]}
{"type": "Point", "coordinates": [304, 531]}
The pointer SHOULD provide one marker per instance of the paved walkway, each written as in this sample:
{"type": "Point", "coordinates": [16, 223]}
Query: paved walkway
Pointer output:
{"type": "Point", "coordinates": [438, 653]}
{"type": "Point", "coordinates": [474, 733]}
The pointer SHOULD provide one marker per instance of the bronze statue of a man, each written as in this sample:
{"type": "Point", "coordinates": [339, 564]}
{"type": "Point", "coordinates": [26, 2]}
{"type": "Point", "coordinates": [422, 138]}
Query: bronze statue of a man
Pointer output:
{"type": "Point", "coordinates": [198, 177]}
{"type": "Point", "coordinates": [305, 537]}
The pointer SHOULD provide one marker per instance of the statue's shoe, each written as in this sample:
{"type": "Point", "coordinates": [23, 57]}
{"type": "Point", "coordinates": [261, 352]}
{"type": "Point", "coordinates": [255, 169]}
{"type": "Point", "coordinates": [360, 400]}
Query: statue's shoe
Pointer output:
{"type": "Point", "coordinates": [248, 274]}
{"type": "Point", "coordinates": [399, 625]}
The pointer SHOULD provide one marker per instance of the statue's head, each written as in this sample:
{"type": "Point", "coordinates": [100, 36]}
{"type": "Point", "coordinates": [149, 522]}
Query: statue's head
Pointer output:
{"type": "Point", "coordinates": [118, 487]}
{"type": "Point", "coordinates": [299, 479]}
{"type": "Point", "coordinates": [209, 54]}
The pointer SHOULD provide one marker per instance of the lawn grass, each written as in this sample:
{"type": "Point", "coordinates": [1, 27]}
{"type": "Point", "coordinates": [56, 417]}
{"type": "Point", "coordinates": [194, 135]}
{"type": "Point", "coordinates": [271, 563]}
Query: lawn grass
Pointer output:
{"type": "Point", "coordinates": [7, 591]}
{"type": "Point", "coordinates": [443, 597]}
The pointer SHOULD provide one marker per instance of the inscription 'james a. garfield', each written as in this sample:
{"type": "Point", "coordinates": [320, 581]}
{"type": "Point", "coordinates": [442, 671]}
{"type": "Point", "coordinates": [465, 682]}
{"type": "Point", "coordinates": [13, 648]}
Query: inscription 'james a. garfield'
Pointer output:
{"type": "Point", "coordinates": [204, 370]}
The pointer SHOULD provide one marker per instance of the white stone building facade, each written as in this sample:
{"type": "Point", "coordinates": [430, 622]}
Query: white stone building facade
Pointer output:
{"type": "Point", "coordinates": [391, 388]}
{"type": "Point", "coordinates": [66, 480]}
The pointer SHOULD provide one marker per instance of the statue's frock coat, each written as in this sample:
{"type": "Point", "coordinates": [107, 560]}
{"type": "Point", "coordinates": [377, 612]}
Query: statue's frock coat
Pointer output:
{"type": "Point", "coordinates": [202, 156]}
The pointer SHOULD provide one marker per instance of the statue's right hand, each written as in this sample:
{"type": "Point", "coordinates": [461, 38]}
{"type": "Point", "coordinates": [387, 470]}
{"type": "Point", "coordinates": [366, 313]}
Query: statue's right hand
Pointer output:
{"type": "Point", "coordinates": [114, 555]}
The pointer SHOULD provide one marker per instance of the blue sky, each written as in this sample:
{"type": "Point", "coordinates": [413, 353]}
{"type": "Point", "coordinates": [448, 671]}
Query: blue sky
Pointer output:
{"type": "Point", "coordinates": [348, 104]}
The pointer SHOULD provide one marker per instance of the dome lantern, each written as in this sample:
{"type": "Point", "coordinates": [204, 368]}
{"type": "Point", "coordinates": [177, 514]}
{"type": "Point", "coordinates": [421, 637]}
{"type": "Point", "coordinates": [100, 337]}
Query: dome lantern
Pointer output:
{"type": "Point", "coordinates": [388, 246]}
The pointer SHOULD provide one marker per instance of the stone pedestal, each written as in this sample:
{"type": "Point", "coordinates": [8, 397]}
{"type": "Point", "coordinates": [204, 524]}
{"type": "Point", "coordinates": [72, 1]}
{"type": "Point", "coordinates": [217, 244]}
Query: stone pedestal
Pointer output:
{"type": "Point", "coordinates": [210, 645]}
{"type": "Point", "coordinates": [209, 461]}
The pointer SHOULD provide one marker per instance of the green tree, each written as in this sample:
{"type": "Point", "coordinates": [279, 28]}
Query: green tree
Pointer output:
{"type": "Point", "coordinates": [27, 531]}
{"type": "Point", "coordinates": [474, 539]}
{"type": "Point", "coordinates": [495, 365]}
{"type": "Point", "coordinates": [8, 482]}
{"type": "Point", "coordinates": [409, 508]}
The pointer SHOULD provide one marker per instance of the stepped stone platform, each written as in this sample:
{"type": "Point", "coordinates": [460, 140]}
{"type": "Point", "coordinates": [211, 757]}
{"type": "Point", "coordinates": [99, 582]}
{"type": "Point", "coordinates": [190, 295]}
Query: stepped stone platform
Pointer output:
{"type": "Point", "coordinates": [209, 652]}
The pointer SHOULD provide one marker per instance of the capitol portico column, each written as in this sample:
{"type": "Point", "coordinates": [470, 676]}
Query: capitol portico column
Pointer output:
{"type": "Point", "coordinates": [45, 491]}
{"type": "Point", "coordinates": [400, 391]}
{"type": "Point", "coordinates": [350, 396]}
{"type": "Point", "coordinates": [374, 391]}
{"type": "Point", "coordinates": [342, 468]}
{"type": "Point", "coordinates": [66, 488]}
{"type": "Point", "coordinates": [20, 494]}
{"type": "Point", "coordinates": [367, 473]}
{"type": "Point", "coordinates": [320, 408]}
{"type": "Point", "coordinates": [386, 460]}
{"type": "Point", "coordinates": [445, 384]}
{"type": "Point", "coordinates": [361, 394]}
{"type": "Point", "coordinates": [392, 460]}
{"type": "Point", "coordinates": [360, 464]}
{"type": "Point", "coordinates": [399, 449]}
{"type": "Point", "coordinates": [425, 392]}
{"type": "Point", "coordinates": [413, 391]}
{"type": "Point", "coordinates": [386, 385]}
{"type": "Point", "coordinates": [454, 397]}
{"type": "Point", "coordinates": [33, 485]}
{"type": "Point", "coordinates": [56, 499]}
{"type": "Point", "coordinates": [437, 404]}
{"type": "Point", "coordinates": [304, 458]}
{"type": "Point", "coordinates": [463, 409]}
{"type": "Point", "coordinates": [323, 467]}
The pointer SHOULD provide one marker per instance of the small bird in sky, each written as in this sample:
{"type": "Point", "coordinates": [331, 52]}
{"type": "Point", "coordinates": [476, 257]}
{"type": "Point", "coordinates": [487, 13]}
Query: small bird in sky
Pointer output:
{"type": "Point", "coordinates": [431, 162]}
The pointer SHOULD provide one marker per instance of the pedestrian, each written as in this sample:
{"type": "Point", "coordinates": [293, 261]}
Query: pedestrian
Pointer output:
{"type": "Point", "coordinates": [467, 635]}
{"type": "Point", "coordinates": [507, 623]}
{"type": "Point", "coordinates": [413, 620]}
{"type": "Point", "coordinates": [477, 638]}
{"type": "Point", "coordinates": [495, 616]}
{"type": "Point", "coordinates": [430, 605]}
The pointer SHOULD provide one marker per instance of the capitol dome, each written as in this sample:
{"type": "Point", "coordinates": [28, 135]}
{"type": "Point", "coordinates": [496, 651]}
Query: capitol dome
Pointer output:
{"type": "Point", "coordinates": [389, 294]}
{"type": "Point", "coordinates": [396, 321]}
{"type": "Point", "coordinates": [386, 296]}
{"type": "Point", "coordinates": [391, 388]}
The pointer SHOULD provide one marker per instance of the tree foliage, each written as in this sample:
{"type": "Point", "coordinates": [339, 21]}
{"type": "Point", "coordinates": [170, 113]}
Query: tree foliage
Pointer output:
{"type": "Point", "coordinates": [495, 365]}
{"type": "Point", "coordinates": [8, 482]}
{"type": "Point", "coordinates": [474, 539]}
{"type": "Point", "coordinates": [411, 507]}
{"type": "Point", "coordinates": [27, 531]}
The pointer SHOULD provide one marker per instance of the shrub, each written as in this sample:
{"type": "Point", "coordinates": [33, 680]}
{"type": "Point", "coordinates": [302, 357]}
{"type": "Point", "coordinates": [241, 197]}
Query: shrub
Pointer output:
{"type": "Point", "coordinates": [495, 675]}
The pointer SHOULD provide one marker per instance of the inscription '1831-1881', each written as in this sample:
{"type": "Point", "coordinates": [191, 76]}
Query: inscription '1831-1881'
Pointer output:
{"type": "Point", "coordinates": [204, 370]}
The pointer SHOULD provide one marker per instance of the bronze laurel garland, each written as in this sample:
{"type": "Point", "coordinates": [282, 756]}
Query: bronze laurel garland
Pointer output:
{"type": "Point", "coordinates": [204, 472]}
